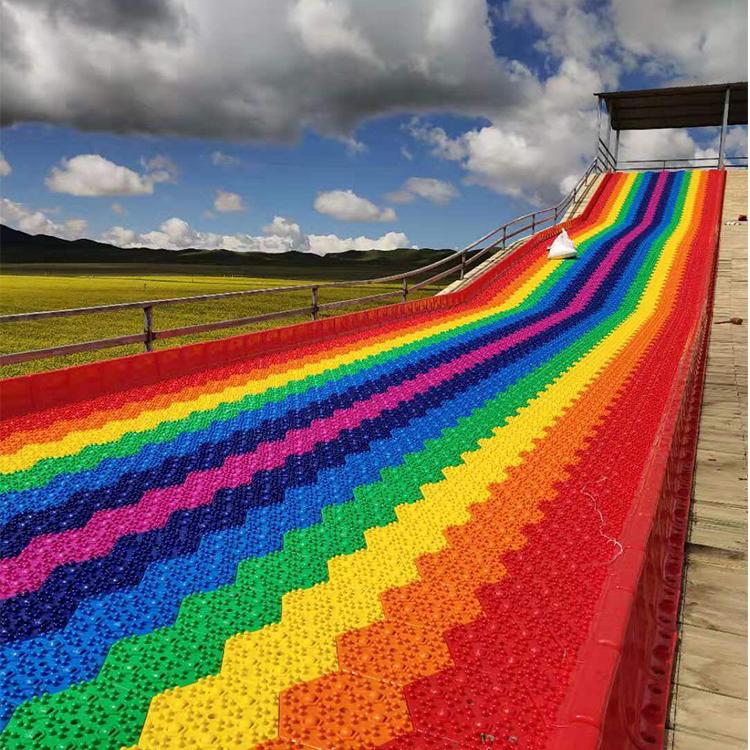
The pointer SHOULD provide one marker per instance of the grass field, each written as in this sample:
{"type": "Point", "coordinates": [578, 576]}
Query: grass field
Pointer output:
{"type": "Point", "coordinates": [26, 292]}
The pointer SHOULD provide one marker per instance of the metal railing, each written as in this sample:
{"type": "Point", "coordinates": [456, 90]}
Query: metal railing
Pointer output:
{"type": "Point", "coordinates": [701, 162]}
{"type": "Point", "coordinates": [458, 263]}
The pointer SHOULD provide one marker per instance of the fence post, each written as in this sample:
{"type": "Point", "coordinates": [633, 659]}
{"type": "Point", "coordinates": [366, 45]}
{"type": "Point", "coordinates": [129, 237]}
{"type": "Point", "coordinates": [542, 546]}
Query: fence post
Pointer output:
{"type": "Point", "coordinates": [533, 223]}
{"type": "Point", "coordinates": [314, 305]}
{"type": "Point", "coordinates": [148, 327]}
{"type": "Point", "coordinates": [463, 264]}
{"type": "Point", "coordinates": [404, 289]}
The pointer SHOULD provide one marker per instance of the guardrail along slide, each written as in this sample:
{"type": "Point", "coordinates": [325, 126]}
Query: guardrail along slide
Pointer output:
{"type": "Point", "coordinates": [451, 523]}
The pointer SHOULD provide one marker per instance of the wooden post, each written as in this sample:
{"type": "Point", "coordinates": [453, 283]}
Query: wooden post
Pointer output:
{"type": "Point", "coordinates": [148, 327]}
{"type": "Point", "coordinates": [314, 305]}
{"type": "Point", "coordinates": [463, 264]}
{"type": "Point", "coordinates": [404, 289]}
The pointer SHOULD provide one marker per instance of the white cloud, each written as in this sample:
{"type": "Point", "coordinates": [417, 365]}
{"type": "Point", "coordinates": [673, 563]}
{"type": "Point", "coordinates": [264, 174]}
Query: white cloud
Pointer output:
{"type": "Point", "coordinates": [118, 208]}
{"type": "Point", "coordinates": [346, 205]}
{"type": "Point", "coordinates": [429, 188]}
{"type": "Point", "coordinates": [661, 144]}
{"type": "Point", "coordinates": [220, 159]}
{"type": "Point", "coordinates": [160, 168]}
{"type": "Point", "coordinates": [689, 40]}
{"type": "Point", "coordinates": [326, 28]}
{"type": "Point", "coordinates": [283, 66]}
{"type": "Point", "coordinates": [400, 196]}
{"type": "Point", "coordinates": [93, 175]}
{"type": "Point", "coordinates": [570, 27]}
{"type": "Point", "coordinates": [736, 144]}
{"type": "Point", "coordinates": [226, 202]}
{"type": "Point", "coordinates": [5, 168]}
{"type": "Point", "coordinates": [75, 228]}
{"type": "Point", "coordinates": [329, 65]}
{"type": "Point", "coordinates": [119, 236]}
{"type": "Point", "coordinates": [322, 244]}
{"type": "Point", "coordinates": [407, 154]}
{"type": "Point", "coordinates": [532, 152]}
{"type": "Point", "coordinates": [18, 216]}
{"type": "Point", "coordinates": [536, 148]}
{"type": "Point", "coordinates": [280, 236]}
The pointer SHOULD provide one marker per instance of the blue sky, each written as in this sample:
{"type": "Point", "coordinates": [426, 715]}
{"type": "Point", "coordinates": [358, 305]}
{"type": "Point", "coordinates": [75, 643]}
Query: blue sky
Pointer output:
{"type": "Point", "coordinates": [495, 118]}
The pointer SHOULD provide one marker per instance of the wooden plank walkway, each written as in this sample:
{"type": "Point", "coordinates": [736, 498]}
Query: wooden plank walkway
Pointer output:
{"type": "Point", "coordinates": [709, 688]}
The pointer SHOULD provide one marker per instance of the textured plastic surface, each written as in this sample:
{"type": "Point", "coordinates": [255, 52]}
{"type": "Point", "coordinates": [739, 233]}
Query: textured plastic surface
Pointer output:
{"type": "Point", "coordinates": [28, 393]}
{"type": "Point", "coordinates": [446, 529]}
{"type": "Point", "coordinates": [620, 692]}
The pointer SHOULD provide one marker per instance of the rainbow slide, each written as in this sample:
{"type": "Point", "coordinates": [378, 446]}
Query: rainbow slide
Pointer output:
{"type": "Point", "coordinates": [400, 536]}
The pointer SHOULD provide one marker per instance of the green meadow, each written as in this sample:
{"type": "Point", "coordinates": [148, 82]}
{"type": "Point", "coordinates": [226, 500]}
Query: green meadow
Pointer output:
{"type": "Point", "coordinates": [39, 288]}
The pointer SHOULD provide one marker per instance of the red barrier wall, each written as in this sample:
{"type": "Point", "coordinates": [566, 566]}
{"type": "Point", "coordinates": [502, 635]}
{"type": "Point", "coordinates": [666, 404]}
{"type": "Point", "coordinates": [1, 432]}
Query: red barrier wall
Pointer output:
{"type": "Point", "coordinates": [28, 393]}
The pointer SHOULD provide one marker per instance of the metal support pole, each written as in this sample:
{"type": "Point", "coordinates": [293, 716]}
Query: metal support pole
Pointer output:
{"type": "Point", "coordinates": [314, 305]}
{"type": "Point", "coordinates": [598, 125]}
{"type": "Point", "coordinates": [609, 129]}
{"type": "Point", "coordinates": [463, 265]}
{"type": "Point", "coordinates": [723, 136]}
{"type": "Point", "coordinates": [533, 223]}
{"type": "Point", "coordinates": [148, 327]}
{"type": "Point", "coordinates": [404, 289]}
{"type": "Point", "coordinates": [617, 147]}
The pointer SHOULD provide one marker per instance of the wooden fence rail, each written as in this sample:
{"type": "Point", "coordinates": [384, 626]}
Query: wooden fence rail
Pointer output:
{"type": "Point", "coordinates": [460, 262]}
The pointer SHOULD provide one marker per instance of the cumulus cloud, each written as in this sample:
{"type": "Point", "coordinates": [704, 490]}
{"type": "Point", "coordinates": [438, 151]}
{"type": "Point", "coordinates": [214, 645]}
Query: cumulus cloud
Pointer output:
{"type": "Point", "coordinates": [322, 244]}
{"type": "Point", "coordinates": [329, 65]}
{"type": "Point", "coordinates": [5, 168]}
{"type": "Point", "coordinates": [688, 40]}
{"type": "Point", "coordinates": [19, 216]}
{"type": "Point", "coordinates": [736, 144]}
{"type": "Point", "coordinates": [220, 159]}
{"type": "Point", "coordinates": [429, 188]}
{"type": "Point", "coordinates": [119, 236]}
{"type": "Point", "coordinates": [75, 228]}
{"type": "Point", "coordinates": [160, 168]}
{"type": "Point", "coordinates": [279, 236]}
{"type": "Point", "coordinates": [536, 148]}
{"type": "Point", "coordinates": [533, 151]}
{"type": "Point", "coordinates": [658, 144]}
{"type": "Point", "coordinates": [346, 205]}
{"type": "Point", "coordinates": [226, 202]}
{"type": "Point", "coordinates": [133, 19]}
{"type": "Point", "coordinates": [284, 66]}
{"type": "Point", "coordinates": [93, 175]}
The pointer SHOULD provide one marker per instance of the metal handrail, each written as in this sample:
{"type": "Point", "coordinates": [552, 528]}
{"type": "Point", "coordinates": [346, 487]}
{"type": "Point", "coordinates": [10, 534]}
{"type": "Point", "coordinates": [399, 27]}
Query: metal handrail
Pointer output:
{"type": "Point", "coordinates": [706, 162]}
{"type": "Point", "coordinates": [606, 155]}
{"type": "Point", "coordinates": [462, 259]}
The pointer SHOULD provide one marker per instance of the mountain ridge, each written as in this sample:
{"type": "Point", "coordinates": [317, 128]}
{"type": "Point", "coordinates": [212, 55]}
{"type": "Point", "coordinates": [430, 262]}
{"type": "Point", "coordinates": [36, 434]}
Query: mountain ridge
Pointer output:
{"type": "Point", "coordinates": [20, 247]}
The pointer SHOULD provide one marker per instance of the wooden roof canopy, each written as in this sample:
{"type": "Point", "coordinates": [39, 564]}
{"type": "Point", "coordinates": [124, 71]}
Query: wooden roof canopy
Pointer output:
{"type": "Point", "coordinates": [676, 107]}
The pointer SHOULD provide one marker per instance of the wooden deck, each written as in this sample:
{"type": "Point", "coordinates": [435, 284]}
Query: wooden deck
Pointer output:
{"type": "Point", "coordinates": [709, 689]}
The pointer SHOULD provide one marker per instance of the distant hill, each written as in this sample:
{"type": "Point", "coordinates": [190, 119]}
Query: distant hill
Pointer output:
{"type": "Point", "coordinates": [18, 247]}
